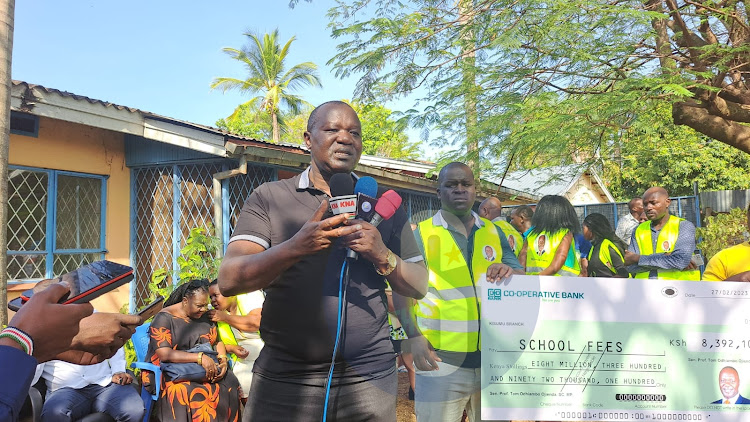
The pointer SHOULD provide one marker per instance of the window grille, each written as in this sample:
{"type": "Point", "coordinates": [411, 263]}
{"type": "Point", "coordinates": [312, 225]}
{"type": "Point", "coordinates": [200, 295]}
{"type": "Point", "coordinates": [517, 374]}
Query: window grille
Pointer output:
{"type": "Point", "coordinates": [240, 187]}
{"type": "Point", "coordinates": [168, 201]}
{"type": "Point", "coordinates": [55, 222]}
{"type": "Point", "coordinates": [152, 211]}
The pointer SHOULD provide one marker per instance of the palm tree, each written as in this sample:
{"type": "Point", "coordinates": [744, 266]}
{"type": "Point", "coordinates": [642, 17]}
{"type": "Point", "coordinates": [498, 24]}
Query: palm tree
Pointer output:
{"type": "Point", "coordinates": [264, 60]}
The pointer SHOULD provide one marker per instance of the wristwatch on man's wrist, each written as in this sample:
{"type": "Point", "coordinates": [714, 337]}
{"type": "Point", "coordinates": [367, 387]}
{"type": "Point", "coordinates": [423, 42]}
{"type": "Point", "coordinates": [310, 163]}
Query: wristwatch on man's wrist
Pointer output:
{"type": "Point", "coordinates": [392, 261]}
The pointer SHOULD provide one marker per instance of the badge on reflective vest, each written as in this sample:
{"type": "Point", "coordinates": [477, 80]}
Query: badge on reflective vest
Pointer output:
{"type": "Point", "coordinates": [512, 241]}
{"type": "Point", "coordinates": [541, 244]}
{"type": "Point", "coordinates": [489, 253]}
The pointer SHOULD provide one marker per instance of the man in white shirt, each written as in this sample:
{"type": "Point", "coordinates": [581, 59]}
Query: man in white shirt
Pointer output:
{"type": "Point", "coordinates": [628, 222]}
{"type": "Point", "coordinates": [74, 391]}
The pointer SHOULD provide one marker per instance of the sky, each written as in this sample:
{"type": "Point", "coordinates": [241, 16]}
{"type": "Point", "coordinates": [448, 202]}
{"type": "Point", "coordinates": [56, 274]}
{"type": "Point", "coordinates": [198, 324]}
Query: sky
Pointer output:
{"type": "Point", "coordinates": [161, 56]}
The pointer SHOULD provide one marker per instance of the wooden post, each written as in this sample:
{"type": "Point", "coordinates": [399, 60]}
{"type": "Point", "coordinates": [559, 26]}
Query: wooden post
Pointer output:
{"type": "Point", "coordinates": [7, 13]}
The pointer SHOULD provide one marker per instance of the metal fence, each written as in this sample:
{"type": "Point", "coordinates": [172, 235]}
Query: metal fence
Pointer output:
{"type": "Point", "coordinates": [725, 200]}
{"type": "Point", "coordinates": [418, 205]}
{"type": "Point", "coordinates": [169, 200]}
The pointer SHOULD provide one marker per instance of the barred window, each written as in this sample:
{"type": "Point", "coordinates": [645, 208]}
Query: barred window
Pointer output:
{"type": "Point", "coordinates": [55, 222]}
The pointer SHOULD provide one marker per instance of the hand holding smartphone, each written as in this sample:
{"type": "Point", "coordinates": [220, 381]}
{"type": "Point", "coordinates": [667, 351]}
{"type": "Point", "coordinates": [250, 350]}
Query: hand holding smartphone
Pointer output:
{"type": "Point", "coordinates": [86, 283]}
{"type": "Point", "coordinates": [697, 260]}
{"type": "Point", "coordinates": [152, 309]}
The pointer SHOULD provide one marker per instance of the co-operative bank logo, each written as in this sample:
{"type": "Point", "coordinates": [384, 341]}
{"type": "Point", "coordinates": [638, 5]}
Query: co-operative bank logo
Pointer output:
{"type": "Point", "coordinates": [494, 294]}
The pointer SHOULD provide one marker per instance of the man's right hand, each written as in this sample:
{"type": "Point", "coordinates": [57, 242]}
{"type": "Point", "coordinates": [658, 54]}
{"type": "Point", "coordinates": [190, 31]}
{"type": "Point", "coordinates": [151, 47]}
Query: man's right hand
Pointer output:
{"type": "Point", "coordinates": [216, 315]}
{"type": "Point", "coordinates": [425, 358]}
{"type": "Point", "coordinates": [102, 334]}
{"type": "Point", "coordinates": [239, 351]}
{"type": "Point", "coordinates": [210, 366]}
{"type": "Point", "coordinates": [318, 234]}
{"type": "Point", "coordinates": [51, 325]}
{"type": "Point", "coordinates": [743, 276]}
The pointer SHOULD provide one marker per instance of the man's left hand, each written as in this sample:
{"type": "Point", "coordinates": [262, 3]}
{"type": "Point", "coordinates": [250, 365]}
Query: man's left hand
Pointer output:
{"type": "Point", "coordinates": [122, 378]}
{"type": "Point", "coordinates": [631, 258]}
{"type": "Point", "coordinates": [498, 272]}
{"type": "Point", "coordinates": [367, 241]}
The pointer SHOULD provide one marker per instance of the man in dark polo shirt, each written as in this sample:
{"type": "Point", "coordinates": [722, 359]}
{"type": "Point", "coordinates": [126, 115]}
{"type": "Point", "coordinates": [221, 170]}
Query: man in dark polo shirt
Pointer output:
{"type": "Point", "coordinates": [284, 244]}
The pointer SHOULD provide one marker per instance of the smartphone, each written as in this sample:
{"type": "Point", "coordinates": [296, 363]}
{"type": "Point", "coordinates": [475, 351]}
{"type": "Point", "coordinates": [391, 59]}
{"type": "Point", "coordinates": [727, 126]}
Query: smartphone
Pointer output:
{"type": "Point", "coordinates": [697, 259]}
{"type": "Point", "coordinates": [86, 283]}
{"type": "Point", "coordinates": [151, 309]}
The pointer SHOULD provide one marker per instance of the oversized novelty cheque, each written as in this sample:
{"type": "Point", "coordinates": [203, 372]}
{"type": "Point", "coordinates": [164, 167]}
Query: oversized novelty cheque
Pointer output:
{"type": "Point", "coordinates": [600, 349]}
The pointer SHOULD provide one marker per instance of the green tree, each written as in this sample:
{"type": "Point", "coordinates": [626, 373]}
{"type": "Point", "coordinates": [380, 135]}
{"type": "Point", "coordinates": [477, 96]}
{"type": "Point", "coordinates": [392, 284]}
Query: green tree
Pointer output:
{"type": "Point", "coordinates": [199, 258]}
{"type": "Point", "coordinates": [556, 82]}
{"type": "Point", "coordinates": [655, 151]}
{"type": "Point", "coordinates": [264, 59]}
{"type": "Point", "coordinates": [395, 58]}
{"type": "Point", "coordinates": [247, 120]}
{"type": "Point", "coordinates": [295, 127]}
{"type": "Point", "coordinates": [383, 134]}
{"type": "Point", "coordinates": [722, 231]}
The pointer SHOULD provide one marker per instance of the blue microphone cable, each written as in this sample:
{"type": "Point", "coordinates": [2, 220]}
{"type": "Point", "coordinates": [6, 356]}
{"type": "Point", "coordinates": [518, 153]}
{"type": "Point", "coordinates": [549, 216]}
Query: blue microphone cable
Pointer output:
{"type": "Point", "coordinates": [339, 329]}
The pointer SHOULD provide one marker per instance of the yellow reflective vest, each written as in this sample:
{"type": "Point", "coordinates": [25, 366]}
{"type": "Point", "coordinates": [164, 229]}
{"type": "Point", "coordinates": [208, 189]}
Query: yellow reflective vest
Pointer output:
{"type": "Point", "coordinates": [605, 256]}
{"type": "Point", "coordinates": [448, 316]}
{"type": "Point", "coordinates": [665, 243]}
{"type": "Point", "coordinates": [515, 240]}
{"type": "Point", "coordinates": [226, 335]}
{"type": "Point", "coordinates": [541, 251]}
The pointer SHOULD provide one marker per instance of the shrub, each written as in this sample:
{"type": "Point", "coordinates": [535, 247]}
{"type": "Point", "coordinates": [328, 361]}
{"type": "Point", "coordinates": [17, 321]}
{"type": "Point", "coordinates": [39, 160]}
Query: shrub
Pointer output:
{"type": "Point", "coordinates": [722, 231]}
{"type": "Point", "coordinates": [129, 349]}
{"type": "Point", "coordinates": [198, 259]}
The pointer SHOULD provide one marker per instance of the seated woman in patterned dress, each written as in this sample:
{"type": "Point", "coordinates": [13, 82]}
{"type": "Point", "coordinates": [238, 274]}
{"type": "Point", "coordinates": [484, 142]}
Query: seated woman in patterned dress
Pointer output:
{"type": "Point", "coordinates": [180, 326]}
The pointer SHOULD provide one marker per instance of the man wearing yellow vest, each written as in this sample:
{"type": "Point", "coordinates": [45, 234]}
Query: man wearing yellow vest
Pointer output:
{"type": "Point", "coordinates": [491, 208]}
{"type": "Point", "coordinates": [520, 219]}
{"type": "Point", "coordinates": [663, 246]}
{"type": "Point", "coordinates": [443, 328]}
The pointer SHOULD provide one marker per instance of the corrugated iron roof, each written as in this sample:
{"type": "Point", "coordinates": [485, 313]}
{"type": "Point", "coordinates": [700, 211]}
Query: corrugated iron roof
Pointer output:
{"type": "Point", "coordinates": [388, 165]}
{"type": "Point", "coordinates": [75, 96]}
{"type": "Point", "coordinates": [554, 180]}
{"type": "Point", "coordinates": [148, 114]}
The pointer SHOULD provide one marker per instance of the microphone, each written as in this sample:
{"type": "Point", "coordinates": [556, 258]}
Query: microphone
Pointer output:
{"type": "Point", "coordinates": [342, 199]}
{"type": "Point", "coordinates": [366, 191]}
{"type": "Point", "coordinates": [386, 207]}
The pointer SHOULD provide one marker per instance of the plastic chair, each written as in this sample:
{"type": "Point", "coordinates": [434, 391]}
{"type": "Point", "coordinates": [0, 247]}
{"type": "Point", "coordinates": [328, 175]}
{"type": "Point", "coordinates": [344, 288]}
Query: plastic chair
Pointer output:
{"type": "Point", "coordinates": [97, 417]}
{"type": "Point", "coordinates": [37, 396]}
{"type": "Point", "coordinates": [37, 402]}
{"type": "Point", "coordinates": [140, 344]}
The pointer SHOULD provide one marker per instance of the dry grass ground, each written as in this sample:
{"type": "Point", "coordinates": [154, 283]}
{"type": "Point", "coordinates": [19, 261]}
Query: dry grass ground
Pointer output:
{"type": "Point", "coordinates": [404, 406]}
